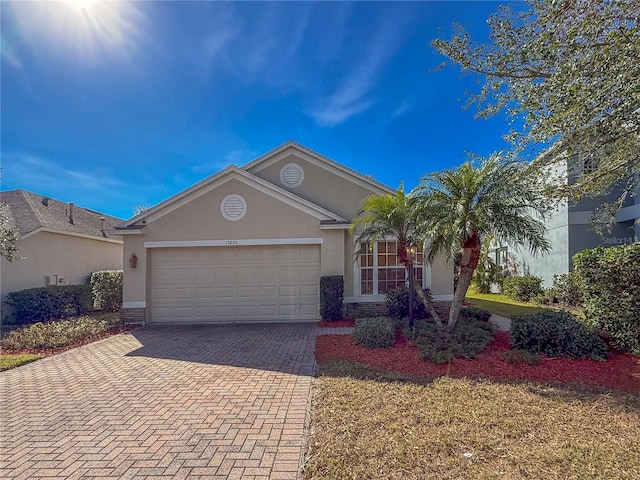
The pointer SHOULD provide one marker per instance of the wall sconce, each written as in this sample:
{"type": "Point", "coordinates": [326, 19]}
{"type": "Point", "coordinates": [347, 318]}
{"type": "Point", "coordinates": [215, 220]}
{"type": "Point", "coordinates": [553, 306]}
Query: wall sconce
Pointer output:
{"type": "Point", "coordinates": [133, 260]}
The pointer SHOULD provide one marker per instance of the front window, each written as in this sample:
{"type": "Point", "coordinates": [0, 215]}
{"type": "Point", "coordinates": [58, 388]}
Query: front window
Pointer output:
{"type": "Point", "coordinates": [380, 269]}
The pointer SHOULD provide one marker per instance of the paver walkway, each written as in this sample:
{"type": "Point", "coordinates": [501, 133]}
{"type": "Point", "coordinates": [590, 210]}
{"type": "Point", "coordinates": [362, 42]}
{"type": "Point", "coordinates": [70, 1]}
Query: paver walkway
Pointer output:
{"type": "Point", "coordinates": [197, 402]}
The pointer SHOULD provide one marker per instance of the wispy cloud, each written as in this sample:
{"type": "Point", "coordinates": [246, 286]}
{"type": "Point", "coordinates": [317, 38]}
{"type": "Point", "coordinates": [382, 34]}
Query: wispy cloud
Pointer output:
{"type": "Point", "coordinates": [53, 177]}
{"type": "Point", "coordinates": [353, 95]}
{"type": "Point", "coordinates": [401, 109]}
{"type": "Point", "coordinates": [9, 54]}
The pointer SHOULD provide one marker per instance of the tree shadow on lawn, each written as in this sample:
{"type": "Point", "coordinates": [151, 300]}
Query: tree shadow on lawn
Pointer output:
{"type": "Point", "coordinates": [504, 309]}
{"type": "Point", "coordinates": [556, 391]}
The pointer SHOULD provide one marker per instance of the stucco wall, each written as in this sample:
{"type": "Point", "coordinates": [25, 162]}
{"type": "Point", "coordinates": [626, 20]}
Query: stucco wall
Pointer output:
{"type": "Point", "coordinates": [201, 219]}
{"type": "Point", "coordinates": [46, 253]}
{"type": "Point", "coordinates": [320, 186]}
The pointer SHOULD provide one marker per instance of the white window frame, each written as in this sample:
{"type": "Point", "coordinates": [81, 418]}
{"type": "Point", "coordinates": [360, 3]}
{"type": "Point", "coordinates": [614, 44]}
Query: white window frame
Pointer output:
{"type": "Point", "coordinates": [375, 296]}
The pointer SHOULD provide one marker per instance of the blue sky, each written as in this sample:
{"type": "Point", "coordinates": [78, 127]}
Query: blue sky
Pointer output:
{"type": "Point", "coordinates": [115, 104]}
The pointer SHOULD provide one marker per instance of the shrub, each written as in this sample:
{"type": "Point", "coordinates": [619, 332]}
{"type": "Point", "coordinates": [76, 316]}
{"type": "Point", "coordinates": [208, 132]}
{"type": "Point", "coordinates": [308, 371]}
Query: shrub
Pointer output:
{"type": "Point", "coordinates": [376, 332]}
{"type": "Point", "coordinates": [41, 304]}
{"type": "Point", "coordinates": [438, 344]}
{"type": "Point", "coordinates": [57, 334]}
{"type": "Point", "coordinates": [610, 283]}
{"type": "Point", "coordinates": [397, 301]}
{"type": "Point", "coordinates": [522, 288]}
{"type": "Point", "coordinates": [474, 313]}
{"type": "Point", "coordinates": [331, 297]}
{"type": "Point", "coordinates": [518, 356]}
{"type": "Point", "coordinates": [556, 334]}
{"type": "Point", "coordinates": [106, 288]}
{"type": "Point", "coordinates": [566, 289]}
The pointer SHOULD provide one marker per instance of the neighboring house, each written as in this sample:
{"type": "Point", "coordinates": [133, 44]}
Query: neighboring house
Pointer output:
{"type": "Point", "coordinates": [60, 243]}
{"type": "Point", "coordinates": [571, 230]}
{"type": "Point", "coordinates": [251, 243]}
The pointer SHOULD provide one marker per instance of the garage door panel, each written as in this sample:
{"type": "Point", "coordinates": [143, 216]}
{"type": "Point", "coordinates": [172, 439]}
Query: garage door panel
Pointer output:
{"type": "Point", "coordinates": [225, 292]}
{"type": "Point", "coordinates": [267, 291]}
{"type": "Point", "coordinates": [235, 283]}
{"type": "Point", "coordinates": [287, 291]}
{"type": "Point", "coordinates": [246, 292]}
{"type": "Point", "coordinates": [309, 290]}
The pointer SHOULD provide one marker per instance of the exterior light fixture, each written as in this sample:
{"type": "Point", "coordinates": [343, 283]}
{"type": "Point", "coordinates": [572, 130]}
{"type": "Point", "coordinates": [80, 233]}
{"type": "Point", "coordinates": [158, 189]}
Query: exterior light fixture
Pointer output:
{"type": "Point", "coordinates": [133, 260]}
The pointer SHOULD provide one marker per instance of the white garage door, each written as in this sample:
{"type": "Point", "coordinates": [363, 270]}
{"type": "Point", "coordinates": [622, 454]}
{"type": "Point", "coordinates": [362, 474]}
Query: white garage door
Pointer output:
{"type": "Point", "coordinates": [223, 284]}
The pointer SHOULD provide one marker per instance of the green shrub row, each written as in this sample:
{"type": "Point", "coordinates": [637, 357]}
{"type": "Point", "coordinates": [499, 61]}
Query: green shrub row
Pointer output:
{"type": "Point", "coordinates": [556, 334]}
{"type": "Point", "coordinates": [106, 288]}
{"type": "Point", "coordinates": [375, 332]}
{"type": "Point", "coordinates": [438, 344]}
{"type": "Point", "coordinates": [609, 279]}
{"type": "Point", "coordinates": [47, 303]}
{"type": "Point", "coordinates": [397, 301]}
{"type": "Point", "coordinates": [331, 297]}
{"type": "Point", "coordinates": [523, 288]}
{"type": "Point", "coordinates": [57, 334]}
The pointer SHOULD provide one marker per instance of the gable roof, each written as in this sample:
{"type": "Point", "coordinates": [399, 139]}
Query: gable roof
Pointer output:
{"type": "Point", "coordinates": [31, 213]}
{"type": "Point", "coordinates": [316, 158]}
{"type": "Point", "coordinates": [211, 182]}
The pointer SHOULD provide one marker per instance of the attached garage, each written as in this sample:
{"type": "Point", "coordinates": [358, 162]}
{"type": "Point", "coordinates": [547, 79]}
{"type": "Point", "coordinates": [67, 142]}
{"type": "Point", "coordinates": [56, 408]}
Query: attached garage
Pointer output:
{"type": "Point", "coordinates": [235, 283]}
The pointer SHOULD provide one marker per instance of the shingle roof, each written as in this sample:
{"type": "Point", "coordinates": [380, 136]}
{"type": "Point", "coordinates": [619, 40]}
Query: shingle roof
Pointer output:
{"type": "Point", "coordinates": [29, 212]}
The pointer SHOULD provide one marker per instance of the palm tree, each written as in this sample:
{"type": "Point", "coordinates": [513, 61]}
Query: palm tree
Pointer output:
{"type": "Point", "coordinates": [389, 215]}
{"type": "Point", "coordinates": [458, 209]}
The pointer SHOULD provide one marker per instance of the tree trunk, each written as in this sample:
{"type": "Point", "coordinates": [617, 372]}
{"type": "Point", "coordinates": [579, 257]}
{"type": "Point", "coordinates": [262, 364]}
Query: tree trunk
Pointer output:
{"type": "Point", "coordinates": [468, 264]}
{"type": "Point", "coordinates": [423, 296]}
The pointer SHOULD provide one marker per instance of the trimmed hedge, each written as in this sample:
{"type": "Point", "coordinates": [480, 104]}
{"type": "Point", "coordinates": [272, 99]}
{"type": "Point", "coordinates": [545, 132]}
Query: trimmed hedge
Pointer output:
{"type": "Point", "coordinates": [397, 301]}
{"type": "Point", "coordinates": [58, 333]}
{"type": "Point", "coordinates": [522, 288]}
{"type": "Point", "coordinates": [609, 279]}
{"type": "Point", "coordinates": [376, 332]}
{"type": "Point", "coordinates": [556, 334]}
{"type": "Point", "coordinates": [106, 288]}
{"type": "Point", "coordinates": [474, 313]}
{"type": "Point", "coordinates": [331, 297]}
{"type": "Point", "coordinates": [48, 303]}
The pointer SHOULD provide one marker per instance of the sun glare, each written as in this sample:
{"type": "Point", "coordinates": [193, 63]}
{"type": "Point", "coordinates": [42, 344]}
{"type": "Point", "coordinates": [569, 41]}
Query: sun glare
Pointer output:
{"type": "Point", "coordinates": [90, 29]}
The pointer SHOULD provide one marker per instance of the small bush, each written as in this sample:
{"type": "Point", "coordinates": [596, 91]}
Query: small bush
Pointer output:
{"type": "Point", "coordinates": [42, 304]}
{"type": "Point", "coordinates": [397, 301]}
{"type": "Point", "coordinates": [376, 332]}
{"type": "Point", "coordinates": [106, 288]}
{"type": "Point", "coordinates": [474, 313]}
{"type": "Point", "coordinates": [331, 297]}
{"type": "Point", "coordinates": [518, 356]}
{"type": "Point", "coordinates": [566, 289]}
{"type": "Point", "coordinates": [57, 334]}
{"type": "Point", "coordinates": [610, 283]}
{"type": "Point", "coordinates": [523, 288]}
{"type": "Point", "coordinates": [556, 334]}
{"type": "Point", "coordinates": [438, 344]}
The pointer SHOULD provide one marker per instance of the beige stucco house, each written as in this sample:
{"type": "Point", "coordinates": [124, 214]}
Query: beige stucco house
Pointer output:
{"type": "Point", "coordinates": [60, 243]}
{"type": "Point", "coordinates": [250, 244]}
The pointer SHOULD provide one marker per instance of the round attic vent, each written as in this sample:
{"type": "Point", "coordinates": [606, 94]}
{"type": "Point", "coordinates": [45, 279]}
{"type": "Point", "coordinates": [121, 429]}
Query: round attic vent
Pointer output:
{"type": "Point", "coordinates": [291, 175]}
{"type": "Point", "coordinates": [233, 207]}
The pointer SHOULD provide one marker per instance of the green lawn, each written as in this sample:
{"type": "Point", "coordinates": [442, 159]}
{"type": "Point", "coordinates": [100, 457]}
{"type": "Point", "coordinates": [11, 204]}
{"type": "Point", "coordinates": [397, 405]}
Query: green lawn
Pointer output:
{"type": "Point", "coordinates": [11, 361]}
{"type": "Point", "coordinates": [501, 304]}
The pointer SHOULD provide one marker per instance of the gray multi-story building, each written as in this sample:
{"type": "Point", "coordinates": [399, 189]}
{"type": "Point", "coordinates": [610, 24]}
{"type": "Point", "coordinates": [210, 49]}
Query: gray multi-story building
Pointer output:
{"type": "Point", "coordinates": [571, 230]}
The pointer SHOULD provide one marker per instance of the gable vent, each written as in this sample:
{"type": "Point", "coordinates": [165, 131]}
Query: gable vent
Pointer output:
{"type": "Point", "coordinates": [233, 207]}
{"type": "Point", "coordinates": [291, 175]}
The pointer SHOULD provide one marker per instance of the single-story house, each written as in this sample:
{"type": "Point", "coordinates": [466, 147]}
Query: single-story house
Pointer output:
{"type": "Point", "coordinates": [60, 243]}
{"type": "Point", "coordinates": [251, 243]}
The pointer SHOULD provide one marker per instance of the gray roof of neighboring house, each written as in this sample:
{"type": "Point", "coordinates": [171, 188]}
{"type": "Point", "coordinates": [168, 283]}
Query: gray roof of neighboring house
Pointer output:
{"type": "Point", "coordinates": [29, 212]}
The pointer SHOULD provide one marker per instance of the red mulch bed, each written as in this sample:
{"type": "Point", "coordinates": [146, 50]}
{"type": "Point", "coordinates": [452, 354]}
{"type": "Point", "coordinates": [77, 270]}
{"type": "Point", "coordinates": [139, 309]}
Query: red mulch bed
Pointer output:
{"type": "Point", "coordinates": [621, 371]}
{"type": "Point", "coordinates": [52, 351]}
{"type": "Point", "coordinates": [345, 322]}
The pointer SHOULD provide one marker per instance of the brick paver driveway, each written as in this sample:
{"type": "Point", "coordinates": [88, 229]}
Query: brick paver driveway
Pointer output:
{"type": "Point", "coordinates": [162, 402]}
